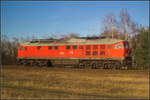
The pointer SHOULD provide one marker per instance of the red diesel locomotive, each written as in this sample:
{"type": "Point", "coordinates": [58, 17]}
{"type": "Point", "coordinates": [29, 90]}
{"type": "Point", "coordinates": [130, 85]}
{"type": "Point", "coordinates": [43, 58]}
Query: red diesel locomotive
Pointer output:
{"type": "Point", "coordinates": [77, 52]}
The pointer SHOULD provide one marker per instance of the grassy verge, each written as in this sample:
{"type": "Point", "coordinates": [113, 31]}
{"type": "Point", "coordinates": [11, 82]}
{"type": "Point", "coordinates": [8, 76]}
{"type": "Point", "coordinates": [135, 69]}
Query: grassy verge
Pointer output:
{"type": "Point", "coordinates": [35, 82]}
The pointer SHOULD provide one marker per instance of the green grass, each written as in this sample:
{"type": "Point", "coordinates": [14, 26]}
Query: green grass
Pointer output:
{"type": "Point", "coordinates": [34, 82]}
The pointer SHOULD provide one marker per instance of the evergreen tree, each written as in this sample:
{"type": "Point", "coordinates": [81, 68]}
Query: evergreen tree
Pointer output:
{"type": "Point", "coordinates": [140, 49]}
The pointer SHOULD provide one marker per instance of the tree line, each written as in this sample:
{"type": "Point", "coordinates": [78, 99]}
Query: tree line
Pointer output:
{"type": "Point", "coordinates": [120, 27]}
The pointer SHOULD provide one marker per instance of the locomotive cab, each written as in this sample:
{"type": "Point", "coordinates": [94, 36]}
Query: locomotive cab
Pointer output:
{"type": "Point", "coordinates": [123, 48]}
{"type": "Point", "coordinates": [123, 51]}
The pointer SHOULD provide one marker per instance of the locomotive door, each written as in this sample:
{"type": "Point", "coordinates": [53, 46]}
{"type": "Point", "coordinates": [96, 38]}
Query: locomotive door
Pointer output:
{"type": "Point", "coordinates": [109, 50]}
{"type": "Point", "coordinates": [102, 51]}
{"type": "Point", "coordinates": [87, 50]}
{"type": "Point", "coordinates": [94, 51]}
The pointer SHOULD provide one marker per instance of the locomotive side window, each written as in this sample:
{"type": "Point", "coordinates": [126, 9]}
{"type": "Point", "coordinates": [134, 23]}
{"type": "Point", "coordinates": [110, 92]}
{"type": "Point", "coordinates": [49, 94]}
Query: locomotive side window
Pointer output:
{"type": "Point", "coordinates": [88, 53]}
{"type": "Point", "coordinates": [50, 48]}
{"type": "Point", "coordinates": [55, 47]}
{"type": "Point", "coordinates": [95, 46]}
{"type": "Point", "coordinates": [95, 52]}
{"type": "Point", "coordinates": [102, 53]}
{"type": "Point", "coordinates": [21, 48]}
{"type": "Point", "coordinates": [80, 47]}
{"type": "Point", "coordinates": [39, 47]}
{"type": "Point", "coordinates": [109, 46]}
{"type": "Point", "coordinates": [88, 47]}
{"type": "Point", "coordinates": [68, 47]}
{"type": "Point", "coordinates": [25, 48]}
{"type": "Point", "coordinates": [74, 47]}
{"type": "Point", "coordinates": [102, 46]}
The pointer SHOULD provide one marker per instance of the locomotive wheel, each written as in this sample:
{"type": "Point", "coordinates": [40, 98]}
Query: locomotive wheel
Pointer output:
{"type": "Point", "coordinates": [31, 62]}
{"type": "Point", "coordinates": [49, 63]}
{"type": "Point", "coordinates": [87, 65]}
{"type": "Point", "coordinates": [24, 62]}
{"type": "Point", "coordinates": [81, 65]}
{"type": "Point", "coordinates": [75, 66]}
{"type": "Point", "coordinates": [100, 65]}
{"type": "Point", "coordinates": [35, 63]}
{"type": "Point", "coordinates": [113, 66]}
{"type": "Point", "coordinates": [117, 65]}
{"type": "Point", "coordinates": [106, 66]}
{"type": "Point", "coordinates": [110, 66]}
{"type": "Point", "coordinates": [45, 63]}
{"type": "Point", "coordinates": [94, 66]}
{"type": "Point", "coordinates": [39, 63]}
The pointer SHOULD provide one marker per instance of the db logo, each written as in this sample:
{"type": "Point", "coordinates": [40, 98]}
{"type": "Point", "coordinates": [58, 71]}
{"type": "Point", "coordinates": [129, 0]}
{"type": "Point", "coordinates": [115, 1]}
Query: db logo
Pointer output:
{"type": "Point", "coordinates": [71, 52]}
{"type": "Point", "coordinates": [62, 53]}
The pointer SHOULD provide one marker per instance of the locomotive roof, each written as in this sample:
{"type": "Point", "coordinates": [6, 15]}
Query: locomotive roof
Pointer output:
{"type": "Point", "coordinates": [72, 41]}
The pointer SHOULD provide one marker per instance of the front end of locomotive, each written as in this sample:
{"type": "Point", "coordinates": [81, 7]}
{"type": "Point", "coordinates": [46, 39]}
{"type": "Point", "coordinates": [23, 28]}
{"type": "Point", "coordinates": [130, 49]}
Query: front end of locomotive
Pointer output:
{"type": "Point", "coordinates": [127, 61]}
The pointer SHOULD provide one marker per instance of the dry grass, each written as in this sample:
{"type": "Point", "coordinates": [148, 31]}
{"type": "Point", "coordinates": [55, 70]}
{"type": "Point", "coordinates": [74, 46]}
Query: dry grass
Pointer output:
{"type": "Point", "coordinates": [34, 82]}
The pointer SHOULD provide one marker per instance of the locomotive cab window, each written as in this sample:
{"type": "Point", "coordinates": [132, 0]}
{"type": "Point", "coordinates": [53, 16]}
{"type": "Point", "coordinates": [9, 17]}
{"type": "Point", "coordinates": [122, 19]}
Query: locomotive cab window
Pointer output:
{"type": "Point", "coordinates": [74, 47]}
{"type": "Point", "coordinates": [80, 47]}
{"type": "Point", "coordinates": [88, 47]}
{"type": "Point", "coordinates": [95, 46]}
{"type": "Point", "coordinates": [55, 47]}
{"type": "Point", "coordinates": [25, 48]}
{"type": "Point", "coordinates": [38, 47]}
{"type": "Point", "coordinates": [21, 48]}
{"type": "Point", "coordinates": [102, 46]}
{"type": "Point", "coordinates": [102, 53]}
{"type": "Point", "coordinates": [88, 53]}
{"type": "Point", "coordinates": [68, 47]}
{"type": "Point", "coordinates": [95, 53]}
{"type": "Point", "coordinates": [109, 47]}
{"type": "Point", "coordinates": [50, 48]}
{"type": "Point", "coordinates": [118, 46]}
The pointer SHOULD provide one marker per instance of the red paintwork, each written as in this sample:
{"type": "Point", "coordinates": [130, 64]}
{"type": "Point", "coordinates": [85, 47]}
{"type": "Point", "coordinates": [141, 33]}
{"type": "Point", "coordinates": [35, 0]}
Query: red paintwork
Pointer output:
{"type": "Point", "coordinates": [62, 52]}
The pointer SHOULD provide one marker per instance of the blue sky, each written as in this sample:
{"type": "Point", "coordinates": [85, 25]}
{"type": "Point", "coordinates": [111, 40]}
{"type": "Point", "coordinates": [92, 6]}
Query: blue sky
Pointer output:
{"type": "Point", "coordinates": [43, 19]}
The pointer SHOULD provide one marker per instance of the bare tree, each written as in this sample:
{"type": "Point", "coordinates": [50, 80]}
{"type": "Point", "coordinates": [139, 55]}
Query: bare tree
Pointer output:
{"type": "Point", "coordinates": [127, 26]}
{"type": "Point", "coordinates": [124, 28]}
{"type": "Point", "coordinates": [71, 35]}
{"type": "Point", "coordinates": [110, 25]}
{"type": "Point", "coordinates": [8, 49]}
